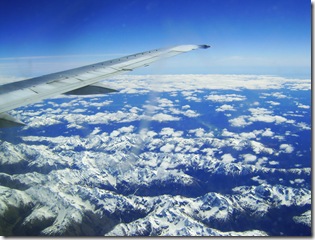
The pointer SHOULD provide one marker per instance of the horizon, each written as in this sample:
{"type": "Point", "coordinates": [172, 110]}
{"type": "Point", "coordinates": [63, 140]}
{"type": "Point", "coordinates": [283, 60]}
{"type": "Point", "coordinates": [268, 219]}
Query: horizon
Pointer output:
{"type": "Point", "coordinates": [246, 37]}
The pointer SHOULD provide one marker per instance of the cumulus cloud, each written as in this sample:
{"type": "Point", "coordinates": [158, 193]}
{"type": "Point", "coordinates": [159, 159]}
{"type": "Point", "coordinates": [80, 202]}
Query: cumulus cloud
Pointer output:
{"type": "Point", "coordinates": [286, 148]}
{"type": "Point", "coordinates": [191, 82]}
{"type": "Point", "coordinates": [164, 102]}
{"type": "Point", "coordinates": [225, 97]}
{"type": "Point", "coordinates": [249, 158]}
{"type": "Point", "coordinates": [151, 134]}
{"type": "Point", "coordinates": [115, 133]}
{"type": "Point", "coordinates": [278, 95]}
{"type": "Point", "coordinates": [258, 115]}
{"type": "Point", "coordinates": [267, 119]}
{"type": "Point", "coordinates": [268, 133]}
{"type": "Point", "coordinates": [273, 103]}
{"type": "Point", "coordinates": [300, 105]}
{"type": "Point", "coordinates": [170, 132]}
{"type": "Point", "coordinates": [227, 158]}
{"type": "Point", "coordinates": [135, 110]}
{"type": "Point", "coordinates": [163, 117]}
{"type": "Point", "coordinates": [199, 132]}
{"type": "Point", "coordinates": [126, 129]}
{"type": "Point", "coordinates": [300, 85]}
{"type": "Point", "coordinates": [167, 148]}
{"type": "Point", "coordinates": [303, 126]}
{"type": "Point", "coordinates": [239, 122]}
{"type": "Point", "coordinates": [273, 163]}
{"type": "Point", "coordinates": [167, 131]}
{"type": "Point", "coordinates": [40, 121]}
{"type": "Point", "coordinates": [191, 113]}
{"type": "Point", "coordinates": [225, 107]}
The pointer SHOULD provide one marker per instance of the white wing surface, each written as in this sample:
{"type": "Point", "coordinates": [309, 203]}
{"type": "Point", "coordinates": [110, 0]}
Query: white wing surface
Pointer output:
{"type": "Point", "coordinates": [82, 80]}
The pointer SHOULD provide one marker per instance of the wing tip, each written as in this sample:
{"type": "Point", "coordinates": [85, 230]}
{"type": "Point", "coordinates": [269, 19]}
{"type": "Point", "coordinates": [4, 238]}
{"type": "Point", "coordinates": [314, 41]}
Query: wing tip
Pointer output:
{"type": "Point", "coordinates": [204, 46]}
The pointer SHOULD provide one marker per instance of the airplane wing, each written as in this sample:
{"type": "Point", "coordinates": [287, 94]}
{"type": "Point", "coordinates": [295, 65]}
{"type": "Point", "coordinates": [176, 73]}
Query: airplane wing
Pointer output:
{"type": "Point", "coordinates": [78, 81]}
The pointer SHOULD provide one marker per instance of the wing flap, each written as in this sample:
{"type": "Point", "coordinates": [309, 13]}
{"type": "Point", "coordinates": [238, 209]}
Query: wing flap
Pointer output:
{"type": "Point", "coordinates": [8, 121]}
{"type": "Point", "coordinates": [97, 88]}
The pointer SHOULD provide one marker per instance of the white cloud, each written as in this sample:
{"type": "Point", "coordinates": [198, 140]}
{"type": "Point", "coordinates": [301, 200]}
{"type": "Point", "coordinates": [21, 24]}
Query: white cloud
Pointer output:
{"type": "Point", "coordinates": [273, 103]}
{"type": "Point", "coordinates": [96, 131]}
{"type": "Point", "coordinates": [264, 115]}
{"type": "Point", "coordinates": [225, 98]}
{"type": "Point", "coordinates": [191, 82]}
{"type": "Point", "coordinates": [259, 111]}
{"type": "Point", "coordinates": [225, 107]}
{"type": "Point", "coordinates": [193, 98]}
{"type": "Point", "coordinates": [40, 121]}
{"type": "Point", "coordinates": [115, 133]}
{"type": "Point", "coordinates": [135, 110]}
{"type": "Point", "coordinates": [302, 85]}
{"type": "Point", "coordinates": [248, 135]}
{"type": "Point", "coordinates": [167, 131]}
{"type": "Point", "coordinates": [227, 158]}
{"type": "Point", "coordinates": [287, 148]}
{"type": "Point", "coordinates": [267, 119]}
{"type": "Point", "coordinates": [249, 158]}
{"type": "Point", "coordinates": [239, 122]}
{"type": "Point", "coordinates": [167, 148]}
{"type": "Point", "coordinates": [162, 117]}
{"type": "Point", "coordinates": [199, 132]}
{"type": "Point", "coordinates": [268, 133]}
{"type": "Point", "coordinates": [300, 105]}
{"type": "Point", "coordinates": [303, 126]}
{"type": "Point", "coordinates": [190, 113]}
{"type": "Point", "coordinates": [227, 133]}
{"type": "Point", "coordinates": [278, 95]}
{"type": "Point", "coordinates": [151, 134]}
{"type": "Point", "coordinates": [164, 102]}
{"type": "Point", "coordinates": [259, 180]}
{"type": "Point", "coordinates": [299, 180]}
{"type": "Point", "coordinates": [258, 115]}
{"type": "Point", "coordinates": [126, 129]}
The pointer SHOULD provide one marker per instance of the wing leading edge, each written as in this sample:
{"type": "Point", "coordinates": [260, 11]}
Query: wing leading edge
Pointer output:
{"type": "Point", "coordinates": [82, 80]}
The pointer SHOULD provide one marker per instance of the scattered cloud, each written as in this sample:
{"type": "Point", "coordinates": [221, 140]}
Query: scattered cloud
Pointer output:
{"type": "Point", "coordinates": [286, 148]}
{"type": "Point", "coordinates": [167, 148]}
{"type": "Point", "coordinates": [162, 117]}
{"type": "Point", "coordinates": [239, 122]}
{"type": "Point", "coordinates": [225, 107]}
{"type": "Point", "coordinates": [303, 106]}
{"type": "Point", "coordinates": [192, 82]}
{"type": "Point", "coordinates": [225, 98]}
{"type": "Point", "coordinates": [227, 158]}
{"type": "Point", "coordinates": [249, 158]}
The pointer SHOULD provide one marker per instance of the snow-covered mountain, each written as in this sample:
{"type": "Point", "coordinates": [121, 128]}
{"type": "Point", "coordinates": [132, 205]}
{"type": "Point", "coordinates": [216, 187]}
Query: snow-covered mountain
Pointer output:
{"type": "Point", "coordinates": [84, 195]}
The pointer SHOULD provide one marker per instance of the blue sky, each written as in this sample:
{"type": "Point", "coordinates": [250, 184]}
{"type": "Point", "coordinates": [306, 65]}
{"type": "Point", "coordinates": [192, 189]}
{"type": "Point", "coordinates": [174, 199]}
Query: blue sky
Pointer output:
{"type": "Point", "coordinates": [247, 36]}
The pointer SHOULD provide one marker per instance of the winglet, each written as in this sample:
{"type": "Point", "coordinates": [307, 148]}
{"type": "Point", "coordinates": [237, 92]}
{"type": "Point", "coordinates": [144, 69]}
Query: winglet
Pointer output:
{"type": "Point", "coordinates": [204, 46]}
